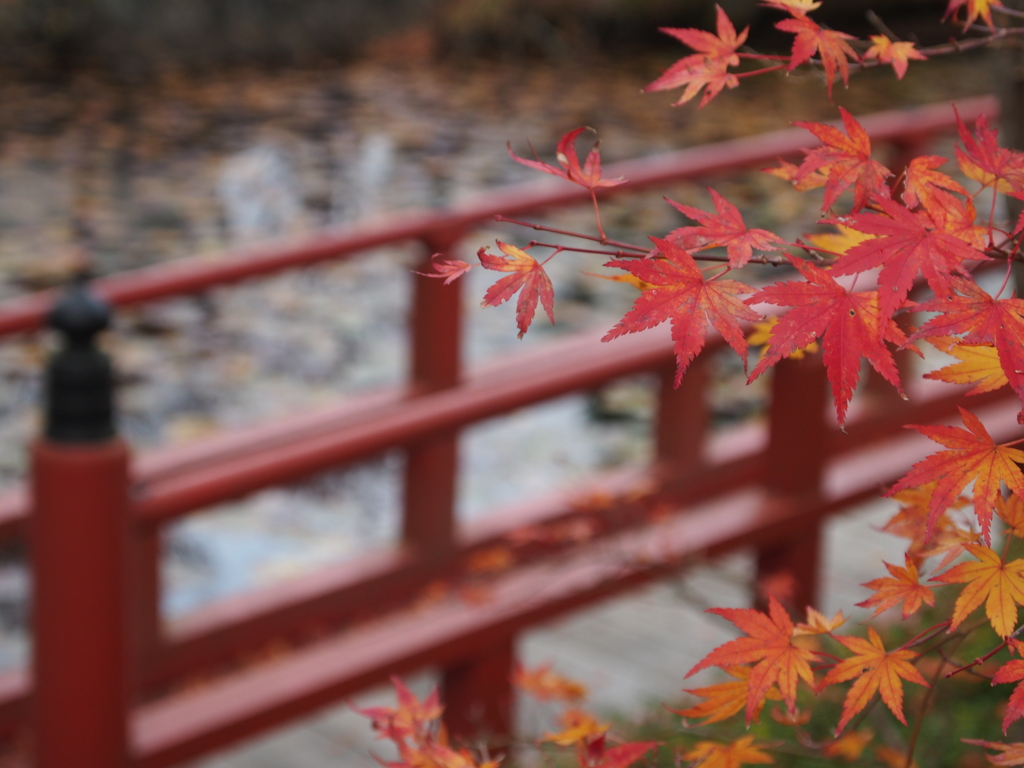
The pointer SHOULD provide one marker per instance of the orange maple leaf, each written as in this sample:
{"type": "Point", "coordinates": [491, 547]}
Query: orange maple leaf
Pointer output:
{"type": "Point", "coordinates": [819, 624]}
{"type": "Point", "coordinates": [896, 53]}
{"type": "Point", "coordinates": [588, 175]}
{"type": "Point", "coordinates": [725, 699]}
{"type": "Point", "coordinates": [527, 274]}
{"type": "Point", "coordinates": [1011, 510]}
{"type": "Point", "coordinates": [712, 754]}
{"type": "Point", "coordinates": [578, 727]}
{"type": "Point", "coordinates": [761, 334]}
{"type": "Point", "coordinates": [848, 323]}
{"type": "Point", "coordinates": [972, 455]}
{"type": "Point", "coordinates": [546, 685]}
{"type": "Point", "coordinates": [830, 44]}
{"type": "Point", "coordinates": [1012, 754]}
{"type": "Point", "coordinates": [846, 160]}
{"type": "Point", "coordinates": [875, 669]}
{"type": "Point", "coordinates": [850, 746]}
{"type": "Point", "coordinates": [979, 364]}
{"type": "Point", "coordinates": [999, 585]}
{"type": "Point", "coordinates": [903, 587]}
{"type": "Point", "coordinates": [707, 68]}
{"type": "Point", "coordinates": [975, 8]}
{"type": "Point", "coordinates": [787, 171]}
{"type": "Point", "coordinates": [410, 719]}
{"type": "Point", "coordinates": [681, 293]}
{"type": "Point", "coordinates": [956, 216]}
{"type": "Point", "coordinates": [770, 645]}
{"type": "Point", "coordinates": [921, 178]}
{"type": "Point", "coordinates": [726, 230]}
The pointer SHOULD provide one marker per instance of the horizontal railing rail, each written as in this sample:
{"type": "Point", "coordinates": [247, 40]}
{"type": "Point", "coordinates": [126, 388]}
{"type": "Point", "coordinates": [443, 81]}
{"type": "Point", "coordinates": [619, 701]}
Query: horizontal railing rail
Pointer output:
{"type": "Point", "coordinates": [766, 485]}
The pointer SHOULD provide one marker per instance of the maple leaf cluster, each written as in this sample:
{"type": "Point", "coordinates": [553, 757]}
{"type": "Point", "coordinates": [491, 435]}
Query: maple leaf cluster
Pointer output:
{"type": "Point", "coordinates": [905, 246]}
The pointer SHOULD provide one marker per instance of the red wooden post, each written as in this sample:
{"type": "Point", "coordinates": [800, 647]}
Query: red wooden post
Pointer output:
{"type": "Point", "coordinates": [477, 690]}
{"type": "Point", "coordinates": [431, 465]}
{"type": "Point", "coordinates": [683, 416]}
{"type": "Point", "coordinates": [79, 538]}
{"type": "Point", "coordinates": [798, 436]}
{"type": "Point", "coordinates": [478, 696]}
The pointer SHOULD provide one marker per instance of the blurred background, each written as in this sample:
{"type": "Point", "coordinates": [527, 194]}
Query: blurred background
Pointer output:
{"type": "Point", "coordinates": [135, 132]}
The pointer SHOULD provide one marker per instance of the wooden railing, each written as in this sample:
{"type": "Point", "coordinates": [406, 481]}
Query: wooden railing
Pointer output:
{"type": "Point", "coordinates": [766, 486]}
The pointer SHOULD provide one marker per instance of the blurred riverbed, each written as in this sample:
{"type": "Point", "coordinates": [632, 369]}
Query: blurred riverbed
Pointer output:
{"type": "Point", "coordinates": [119, 177]}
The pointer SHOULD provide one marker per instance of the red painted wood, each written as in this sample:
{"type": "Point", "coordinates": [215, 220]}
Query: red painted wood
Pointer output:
{"type": "Point", "coordinates": [190, 724]}
{"type": "Point", "coordinates": [478, 697]}
{"type": "Point", "coordinates": [797, 451]}
{"type": "Point", "coordinates": [80, 629]}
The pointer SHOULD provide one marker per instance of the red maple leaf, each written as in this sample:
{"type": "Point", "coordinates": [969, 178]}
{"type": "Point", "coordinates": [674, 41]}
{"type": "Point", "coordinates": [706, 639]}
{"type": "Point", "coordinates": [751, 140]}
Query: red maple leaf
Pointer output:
{"type": "Point", "coordinates": [848, 323]}
{"type": "Point", "coordinates": [769, 647]}
{"type": "Point", "coordinates": [830, 44]}
{"type": "Point", "coordinates": [981, 319]}
{"type": "Point", "coordinates": [902, 586]}
{"type": "Point", "coordinates": [708, 67]}
{"type": "Point", "coordinates": [846, 160]}
{"type": "Point", "coordinates": [972, 455]}
{"type": "Point", "coordinates": [527, 274]}
{"type": "Point", "coordinates": [904, 243]}
{"type": "Point", "coordinates": [588, 175]}
{"type": "Point", "coordinates": [681, 293]}
{"type": "Point", "coordinates": [447, 269]}
{"type": "Point", "coordinates": [727, 230]}
{"type": "Point", "coordinates": [1012, 672]}
{"type": "Point", "coordinates": [983, 160]}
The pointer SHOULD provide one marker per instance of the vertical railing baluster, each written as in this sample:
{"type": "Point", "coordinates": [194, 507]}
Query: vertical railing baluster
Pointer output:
{"type": "Point", "coordinates": [80, 561]}
{"type": "Point", "coordinates": [797, 445]}
{"type": "Point", "coordinates": [431, 465]}
{"type": "Point", "coordinates": [477, 690]}
{"type": "Point", "coordinates": [683, 416]}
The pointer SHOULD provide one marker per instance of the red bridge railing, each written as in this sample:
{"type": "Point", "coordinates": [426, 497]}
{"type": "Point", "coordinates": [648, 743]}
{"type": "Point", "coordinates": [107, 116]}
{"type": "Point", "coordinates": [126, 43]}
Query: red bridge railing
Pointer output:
{"type": "Point", "coordinates": [349, 626]}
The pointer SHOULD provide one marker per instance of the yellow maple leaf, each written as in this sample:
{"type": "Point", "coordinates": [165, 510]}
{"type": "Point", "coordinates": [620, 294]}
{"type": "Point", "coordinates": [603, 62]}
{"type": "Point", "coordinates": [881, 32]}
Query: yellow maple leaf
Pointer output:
{"type": "Point", "coordinates": [979, 364]}
{"type": "Point", "coordinates": [841, 241]}
{"type": "Point", "coordinates": [761, 335]}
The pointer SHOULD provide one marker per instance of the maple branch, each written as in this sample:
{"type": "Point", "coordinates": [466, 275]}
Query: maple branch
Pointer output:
{"type": "Point", "coordinates": [753, 72]}
{"type": "Point", "coordinates": [987, 656]}
{"type": "Point", "coordinates": [569, 233]}
{"type": "Point", "coordinates": [557, 248]}
{"type": "Point", "coordinates": [925, 636]}
{"type": "Point", "coordinates": [925, 703]}
{"type": "Point", "coordinates": [762, 56]}
{"type": "Point", "coordinates": [1009, 11]}
{"type": "Point", "coordinates": [881, 26]}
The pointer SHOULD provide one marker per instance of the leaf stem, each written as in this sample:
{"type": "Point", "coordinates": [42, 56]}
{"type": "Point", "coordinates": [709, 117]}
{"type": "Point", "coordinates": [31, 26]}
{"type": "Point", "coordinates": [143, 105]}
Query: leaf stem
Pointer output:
{"type": "Point", "coordinates": [569, 233]}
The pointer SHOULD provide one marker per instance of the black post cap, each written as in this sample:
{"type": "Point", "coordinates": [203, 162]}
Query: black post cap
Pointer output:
{"type": "Point", "coordinates": [79, 378]}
